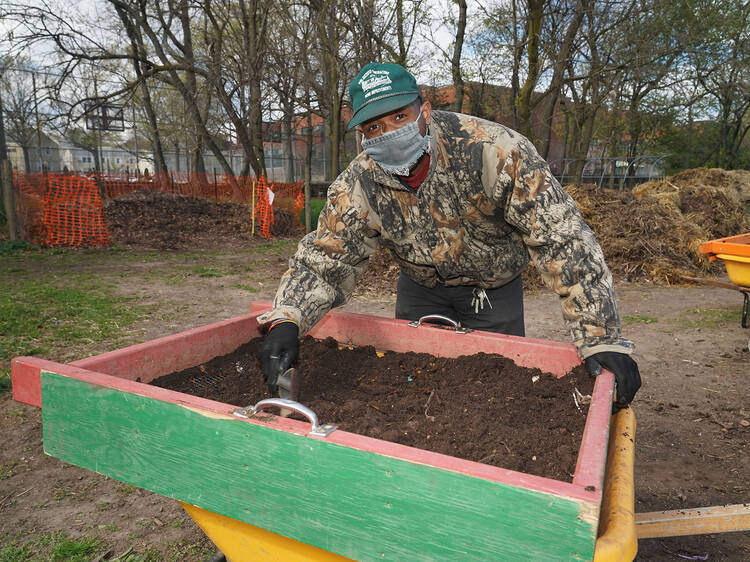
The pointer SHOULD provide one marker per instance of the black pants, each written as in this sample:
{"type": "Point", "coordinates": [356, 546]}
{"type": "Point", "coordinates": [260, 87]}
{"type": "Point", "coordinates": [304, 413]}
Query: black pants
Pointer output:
{"type": "Point", "coordinates": [504, 316]}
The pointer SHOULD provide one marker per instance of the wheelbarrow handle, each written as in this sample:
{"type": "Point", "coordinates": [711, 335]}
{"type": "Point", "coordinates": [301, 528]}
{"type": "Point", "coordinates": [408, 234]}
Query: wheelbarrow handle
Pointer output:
{"type": "Point", "coordinates": [317, 429]}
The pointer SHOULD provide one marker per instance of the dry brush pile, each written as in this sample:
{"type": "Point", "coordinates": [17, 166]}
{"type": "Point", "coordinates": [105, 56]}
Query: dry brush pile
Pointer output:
{"type": "Point", "coordinates": [653, 233]}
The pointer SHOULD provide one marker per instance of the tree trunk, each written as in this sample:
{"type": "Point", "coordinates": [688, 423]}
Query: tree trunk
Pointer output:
{"type": "Point", "coordinates": [197, 163]}
{"type": "Point", "coordinates": [401, 38]}
{"type": "Point", "coordinates": [308, 168]}
{"type": "Point", "coordinates": [288, 140]}
{"type": "Point", "coordinates": [514, 80]}
{"type": "Point", "coordinates": [553, 91]}
{"type": "Point", "coordinates": [6, 188]}
{"type": "Point", "coordinates": [27, 158]}
{"type": "Point", "coordinates": [458, 81]}
{"type": "Point", "coordinates": [136, 44]}
{"type": "Point", "coordinates": [524, 101]}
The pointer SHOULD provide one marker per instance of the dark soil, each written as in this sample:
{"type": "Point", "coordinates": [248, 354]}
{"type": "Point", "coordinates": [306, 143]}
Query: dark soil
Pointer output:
{"type": "Point", "coordinates": [479, 407]}
{"type": "Point", "coordinates": [174, 222]}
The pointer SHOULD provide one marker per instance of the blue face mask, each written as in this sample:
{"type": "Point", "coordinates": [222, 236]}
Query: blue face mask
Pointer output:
{"type": "Point", "coordinates": [396, 152]}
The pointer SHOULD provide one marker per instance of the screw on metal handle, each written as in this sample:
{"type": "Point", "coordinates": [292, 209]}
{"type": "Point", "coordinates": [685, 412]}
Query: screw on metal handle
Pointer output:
{"type": "Point", "coordinates": [459, 329]}
{"type": "Point", "coordinates": [317, 429]}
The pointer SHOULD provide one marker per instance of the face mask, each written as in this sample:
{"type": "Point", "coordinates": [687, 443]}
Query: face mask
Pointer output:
{"type": "Point", "coordinates": [396, 152]}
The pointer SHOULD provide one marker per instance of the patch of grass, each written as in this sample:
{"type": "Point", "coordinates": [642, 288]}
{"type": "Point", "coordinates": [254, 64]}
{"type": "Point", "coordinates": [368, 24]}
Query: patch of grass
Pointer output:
{"type": "Point", "coordinates": [111, 527]}
{"type": "Point", "coordinates": [36, 313]}
{"type": "Point", "coordinates": [15, 553]}
{"type": "Point", "coordinates": [128, 255]}
{"type": "Point", "coordinates": [59, 492]}
{"type": "Point", "coordinates": [277, 247]}
{"type": "Point", "coordinates": [248, 288]}
{"type": "Point", "coordinates": [53, 547]}
{"type": "Point", "coordinates": [639, 319]}
{"type": "Point", "coordinates": [178, 551]}
{"type": "Point", "coordinates": [177, 522]}
{"type": "Point", "coordinates": [204, 271]}
{"type": "Point", "coordinates": [126, 489]}
{"type": "Point", "coordinates": [6, 471]}
{"type": "Point", "coordinates": [8, 248]}
{"type": "Point", "coordinates": [74, 550]}
{"type": "Point", "coordinates": [707, 317]}
{"type": "Point", "coordinates": [316, 205]}
{"type": "Point", "coordinates": [175, 278]}
{"type": "Point", "coordinates": [5, 380]}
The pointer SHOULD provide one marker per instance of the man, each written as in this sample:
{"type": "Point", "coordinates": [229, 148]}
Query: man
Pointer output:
{"type": "Point", "coordinates": [463, 205]}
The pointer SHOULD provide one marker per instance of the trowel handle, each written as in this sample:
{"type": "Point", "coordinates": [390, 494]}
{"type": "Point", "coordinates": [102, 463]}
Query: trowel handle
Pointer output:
{"type": "Point", "coordinates": [317, 429]}
{"type": "Point", "coordinates": [459, 329]}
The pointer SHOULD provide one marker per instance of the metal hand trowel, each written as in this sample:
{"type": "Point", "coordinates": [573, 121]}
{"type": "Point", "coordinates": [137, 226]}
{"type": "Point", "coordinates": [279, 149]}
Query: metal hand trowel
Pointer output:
{"type": "Point", "coordinates": [288, 383]}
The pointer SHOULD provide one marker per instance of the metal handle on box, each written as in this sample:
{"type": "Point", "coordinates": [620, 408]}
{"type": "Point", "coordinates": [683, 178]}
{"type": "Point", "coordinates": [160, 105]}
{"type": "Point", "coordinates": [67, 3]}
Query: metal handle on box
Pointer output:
{"type": "Point", "coordinates": [317, 429]}
{"type": "Point", "coordinates": [457, 325]}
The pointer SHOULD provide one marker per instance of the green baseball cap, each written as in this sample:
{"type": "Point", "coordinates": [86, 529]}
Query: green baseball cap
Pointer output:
{"type": "Point", "coordinates": [380, 88]}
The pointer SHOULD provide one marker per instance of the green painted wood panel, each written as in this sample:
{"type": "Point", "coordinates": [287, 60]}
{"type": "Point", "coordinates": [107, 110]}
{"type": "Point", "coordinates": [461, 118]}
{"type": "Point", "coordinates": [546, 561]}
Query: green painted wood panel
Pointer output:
{"type": "Point", "coordinates": [359, 504]}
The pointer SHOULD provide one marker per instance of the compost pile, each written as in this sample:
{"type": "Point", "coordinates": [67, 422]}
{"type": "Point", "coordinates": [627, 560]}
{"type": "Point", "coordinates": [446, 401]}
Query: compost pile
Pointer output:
{"type": "Point", "coordinates": [174, 222]}
{"type": "Point", "coordinates": [481, 407]}
{"type": "Point", "coordinates": [651, 234]}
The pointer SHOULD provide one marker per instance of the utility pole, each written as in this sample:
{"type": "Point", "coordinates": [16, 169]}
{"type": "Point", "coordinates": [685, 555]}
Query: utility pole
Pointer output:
{"type": "Point", "coordinates": [135, 136]}
{"type": "Point", "coordinates": [6, 180]}
{"type": "Point", "coordinates": [99, 122]}
{"type": "Point", "coordinates": [38, 125]}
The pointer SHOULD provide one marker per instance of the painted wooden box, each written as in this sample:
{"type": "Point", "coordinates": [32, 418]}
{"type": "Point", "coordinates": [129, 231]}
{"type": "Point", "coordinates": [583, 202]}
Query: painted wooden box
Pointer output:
{"type": "Point", "coordinates": [341, 495]}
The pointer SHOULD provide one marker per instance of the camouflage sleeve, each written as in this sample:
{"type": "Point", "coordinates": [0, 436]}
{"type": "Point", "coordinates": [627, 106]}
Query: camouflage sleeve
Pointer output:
{"type": "Point", "coordinates": [562, 247]}
{"type": "Point", "coordinates": [323, 271]}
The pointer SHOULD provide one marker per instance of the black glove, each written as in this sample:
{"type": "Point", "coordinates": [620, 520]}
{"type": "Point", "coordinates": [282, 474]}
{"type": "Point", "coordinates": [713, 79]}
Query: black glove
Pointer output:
{"type": "Point", "coordinates": [280, 348]}
{"type": "Point", "coordinates": [627, 376]}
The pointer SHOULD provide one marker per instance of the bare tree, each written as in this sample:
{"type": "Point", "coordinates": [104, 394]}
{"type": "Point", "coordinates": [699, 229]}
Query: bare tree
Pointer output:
{"type": "Point", "coordinates": [139, 54]}
{"type": "Point", "coordinates": [590, 78]}
{"type": "Point", "coordinates": [722, 68]}
{"type": "Point", "coordinates": [458, 45]}
{"type": "Point", "coordinates": [19, 110]}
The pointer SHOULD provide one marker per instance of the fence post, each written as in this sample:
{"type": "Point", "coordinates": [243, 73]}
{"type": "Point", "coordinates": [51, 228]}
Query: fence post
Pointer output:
{"type": "Point", "coordinates": [6, 183]}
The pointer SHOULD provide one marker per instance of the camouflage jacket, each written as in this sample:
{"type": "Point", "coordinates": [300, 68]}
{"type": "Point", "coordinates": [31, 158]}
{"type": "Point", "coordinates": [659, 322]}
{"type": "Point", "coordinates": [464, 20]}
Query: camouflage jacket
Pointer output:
{"type": "Point", "coordinates": [488, 207]}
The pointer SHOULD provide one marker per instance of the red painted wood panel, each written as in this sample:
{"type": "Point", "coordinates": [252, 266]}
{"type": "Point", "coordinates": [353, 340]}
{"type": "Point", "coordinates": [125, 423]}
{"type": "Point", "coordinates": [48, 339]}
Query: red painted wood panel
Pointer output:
{"type": "Point", "coordinates": [389, 333]}
{"type": "Point", "coordinates": [152, 359]}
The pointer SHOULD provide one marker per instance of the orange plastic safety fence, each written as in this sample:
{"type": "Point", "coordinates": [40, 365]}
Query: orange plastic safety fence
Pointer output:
{"type": "Point", "coordinates": [73, 212]}
{"type": "Point", "coordinates": [299, 201]}
{"type": "Point", "coordinates": [263, 209]}
{"type": "Point", "coordinates": [66, 208]}
{"type": "Point", "coordinates": [210, 186]}
{"type": "Point", "coordinates": [29, 198]}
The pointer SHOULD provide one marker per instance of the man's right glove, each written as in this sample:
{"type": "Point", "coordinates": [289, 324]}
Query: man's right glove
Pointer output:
{"type": "Point", "coordinates": [280, 348]}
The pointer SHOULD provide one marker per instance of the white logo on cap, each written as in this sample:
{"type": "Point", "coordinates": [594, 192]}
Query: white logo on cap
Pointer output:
{"type": "Point", "coordinates": [375, 81]}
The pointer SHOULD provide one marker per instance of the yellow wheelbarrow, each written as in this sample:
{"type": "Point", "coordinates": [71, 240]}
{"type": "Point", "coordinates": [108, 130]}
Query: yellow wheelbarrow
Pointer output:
{"type": "Point", "coordinates": [266, 487]}
{"type": "Point", "coordinates": [734, 252]}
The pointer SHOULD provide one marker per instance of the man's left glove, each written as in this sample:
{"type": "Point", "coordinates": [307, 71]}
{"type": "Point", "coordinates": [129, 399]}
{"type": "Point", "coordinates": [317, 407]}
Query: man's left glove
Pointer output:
{"type": "Point", "coordinates": [627, 376]}
{"type": "Point", "coordinates": [280, 348]}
